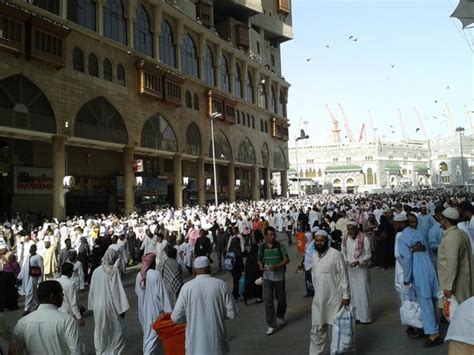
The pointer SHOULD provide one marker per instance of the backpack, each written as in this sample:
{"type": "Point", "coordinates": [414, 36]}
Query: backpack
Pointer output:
{"type": "Point", "coordinates": [263, 246]}
{"type": "Point", "coordinates": [229, 261]}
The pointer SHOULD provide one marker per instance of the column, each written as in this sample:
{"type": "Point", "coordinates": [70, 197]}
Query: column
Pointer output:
{"type": "Point", "coordinates": [284, 183]}
{"type": "Point", "coordinates": [231, 180]}
{"type": "Point", "coordinates": [201, 183]}
{"type": "Point", "coordinates": [130, 17]}
{"type": "Point", "coordinates": [178, 180]}
{"type": "Point", "coordinates": [63, 8]}
{"type": "Point", "coordinates": [59, 171]}
{"type": "Point", "coordinates": [128, 179]}
{"type": "Point", "coordinates": [201, 53]}
{"type": "Point", "coordinates": [232, 62]}
{"type": "Point", "coordinates": [268, 185]}
{"type": "Point", "coordinates": [179, 41]}
{"type": "Point", "coordinates": [255, 181]}
{"type": "Point", "coordinates": [157, 17]}
{"type": "Point", "coordinates": [217, 65]}
{"type": "Point", "coordinates": [100, 16]}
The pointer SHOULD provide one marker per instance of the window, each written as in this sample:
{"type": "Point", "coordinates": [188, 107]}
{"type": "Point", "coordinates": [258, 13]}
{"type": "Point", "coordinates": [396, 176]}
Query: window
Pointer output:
{"type": "Point", "coordinates": [273, 101]}
{"type": "Point", "coordinates": [189, 60]}
{"type": "Point", "coordinates": [196, 102]}
{"type": "Point", "coordinates": [266, 127]}
{"type": "Point", "coordinates": [45, 42]}
{"type": "Point", "coordinates": [189, 100]}
{"type": "Point", "coordinates": [248, 120]}
{"type": "Point", "coordinates": [93, 65]}
{"type": "Point", "coordinates": [246, 152]}
{"type": "Point", "coordinates": [243, 119]}
{"type": "Point", "coordinates": [262, 96]}
{"type": "Point", "coordinates": [48, 5]}
{"type": "Point", "coordinates": [348, 159]}
{"type": "Point", "coordinates": [121, 75]}
{"type": "Point", "coordinates": [261, 125]}
{"type": "Point", "coordinates": [335, 160]}
{"type": "Point", "coordinates": [282, 108]}
{"type": "Point", "coordinates": [258, 47]}
{"type": "Point", "coordinates": [107, 70]}
{"type": "Point", "coordinates": [209, 74]}
{"type": "Point", "coordinates": [167, 46]}
{"type": "Point", "coordinates": [272, 60]}
{"type": "Point", "coordinates": [250, 90]}
{"type": "Point", "coordinates": [238, 82]}
{"type": "Point", "coordinates": [158, 134]}
{"type": "Point", "coordinates": [225, 82]}
{"type": "Point", "coordinates": [237, 113]}
{"type": "Point", "coordinates": [115, 25]}
{"type": "Point", "coordinates": [82, 12]}
{"type": "Point", "coordinates": [193, 140]}
{"type": "Point", "coordinates": [77, 60]}
{"type": "Point", "coordinates": [143, 38]}
{"type": "Point", "coordinates": [253, 122]}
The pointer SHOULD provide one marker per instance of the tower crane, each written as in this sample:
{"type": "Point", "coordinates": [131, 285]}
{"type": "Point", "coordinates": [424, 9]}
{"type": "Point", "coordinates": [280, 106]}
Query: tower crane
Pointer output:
{"type": "Point", "coordinates": [401, 124]}
{"type": "Point", "coordinates": [346, 124]}
{"type": "Point", "coordinates": [362, 133]}
{"type": "Point", "coordinates": [450, 117]}
{"type": "Point", "coordinates": [374, 130]}
{"type": "Point", "coordinates": [336, 131]}
{"type": "Point", "coordinates": [468, 113]}
{"type": "Point", "coordinates": [422, 126]}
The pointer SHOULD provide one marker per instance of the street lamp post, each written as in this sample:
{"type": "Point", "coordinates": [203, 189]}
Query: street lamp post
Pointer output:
{"type": "Point", "coordinates": [212, 117]}
{"type": "Point", "coordinates": [461, 130]}
{"type": "Point", "coordinates": [298, 182]}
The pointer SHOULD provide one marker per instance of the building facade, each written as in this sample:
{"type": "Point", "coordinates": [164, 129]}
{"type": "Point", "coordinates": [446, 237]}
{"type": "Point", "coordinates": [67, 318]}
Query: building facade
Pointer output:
{"type": "Point", "coordinates": [93, 89]}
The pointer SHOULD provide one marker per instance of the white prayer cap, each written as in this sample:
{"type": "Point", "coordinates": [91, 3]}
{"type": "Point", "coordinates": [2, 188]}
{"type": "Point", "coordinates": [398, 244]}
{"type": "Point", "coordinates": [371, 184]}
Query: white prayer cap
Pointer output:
{"type": "Point", "coordinates": [352, 223]}
{"type": "Point", "coordinates": [201, 262]}
{"type": "Point", "coordinates": [451, 213]}
{"type": "Point", "coordinates": [321, 232]}
{"type": "Point", "coordinates": [47, 239]}
{"type": "Point", "coordinates": [401, 217]}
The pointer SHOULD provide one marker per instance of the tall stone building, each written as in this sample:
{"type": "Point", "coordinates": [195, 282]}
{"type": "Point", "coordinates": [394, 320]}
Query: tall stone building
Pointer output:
{"type": "Point", "coordinates": [92, 89]}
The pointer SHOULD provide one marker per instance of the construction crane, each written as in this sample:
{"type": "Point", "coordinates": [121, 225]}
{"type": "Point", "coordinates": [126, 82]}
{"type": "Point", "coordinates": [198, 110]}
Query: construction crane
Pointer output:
{"type": "Point", "coordinates": [450, 117]}
{"type": "Point", "coordinates": [468, 113]}
{"type": "Point", "coordinates": [346, 124]}
{"type": "Point", "coordinates": [336, 131]}
{"type": "Point", "coordinates": [374, 130]}
{"type": "Point", "coordinates": [401, 124]}
{"type": "Point", "coordinates": [420, 121]}
{"type": "Point", "coordinates": [362, 133]}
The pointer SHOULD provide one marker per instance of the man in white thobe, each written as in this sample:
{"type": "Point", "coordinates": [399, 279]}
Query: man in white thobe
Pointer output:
{"type": "Point", "coordinates": [461, 329]}
{"type": "Point", "coordinates": [29, 283]}
{"type": "Point", "coordinates": [121, 262]}
{"type": "Point", "coordinates": [70, 289]}
{"type": "Point", "coordinates": [204, 304]}
{"type": "Point", "coordinates": [357, 254]}
{"type": "Point", "coordinates": [78, 273]}
{"type": "Point", "coordinates": [152, 302]}
{"type": "Point", "coordinates": [331, 286]}
{"type": "Point", "coordinates": [108, 301]}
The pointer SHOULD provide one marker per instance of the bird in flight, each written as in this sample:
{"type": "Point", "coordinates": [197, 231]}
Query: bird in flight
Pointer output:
{"type": "Point", "coordinates": [447, 87]}
{"type": "Point", "coordinates": [417, 130]}
{"type": "Point", "coordinates": [308, 59]}
{"type": "Point", "coordinates": [436, 101]}
{"type": "Point", "coordinates": [327, 45]}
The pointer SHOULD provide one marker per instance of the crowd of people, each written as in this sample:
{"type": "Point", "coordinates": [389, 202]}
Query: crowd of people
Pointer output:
{"type": "Point", "coordinates": [428, 236]}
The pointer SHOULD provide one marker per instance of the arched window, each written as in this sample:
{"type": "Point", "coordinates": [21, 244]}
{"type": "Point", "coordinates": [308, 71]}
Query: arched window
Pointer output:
{"type": "Point", "coordinates": [250, 89]}
{"type": "Point", "coordinates": [188, 99]}
{"type": "Point", "coordinates": [265, 155]}
{"type": "Point", "coordinates": [262, 96]}
{"type": "Point", "coordinates": [225, 80]}
{"type": "Point", "coordinates": [77, 60]}
{"type": "Point", "coordinates": [253, 122]}
{"type": "Point", "coordinates": [279, 159]}
{"type": "Point", "coordinates": [108, 70]}
{"type": "Point", "coordinates": [246, 152]}
{"type": "Point", "coordinates": [93, 65]}
{"type": "Point", "coordinates": [143, 38]}
{"type": "Point", "coordinates": [196, 102]}
{"type": "Point", "coordinates": [193, 140]}
{"type": "Point", "coordinates": [167, 46]}
{"type": "Point", "coordinates": [189, 57]}
{"type": "Point", "coordinates": [369, 176]}
{"type": "Point", "coordinates": [261, 125]}
{"type": "Point", "coordinates": [82, 12]}
{"type": "Point", "coordinates": [222, 145]}
{"type": "Point", "coordinates": [243, 119]}
{"type": "Point", "coordinates": [209, 70]}
{"type": "Point", "coordinates": [237, 114]}
{"type": "Point", "coordinates": [266, 127]}
{"type": "Point", "coordinates": [121, 75]}
{"type": "Point", "coordinates": [238, 81]}
{"type": "Point", "coordinates": [248, 120]}
{"type": "Point", "coordinates": [115, 24]}
{"type": "Point", "coordinates": [48, 5]}
{"type": "Point", "coordinates": [158, 134]}
{"type": "Point", "coordinates": [273, 100]}
{"type": "Point", "coordinates": [23, 105]}
{"type": "Point", "coordinates": [99, 120]}
{"type": "Point", "coordinates": [282, 108]}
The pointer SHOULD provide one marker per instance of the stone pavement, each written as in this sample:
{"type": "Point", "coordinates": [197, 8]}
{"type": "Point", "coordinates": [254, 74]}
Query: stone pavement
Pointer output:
{"type": "Point", "coordinates": [247, 333]}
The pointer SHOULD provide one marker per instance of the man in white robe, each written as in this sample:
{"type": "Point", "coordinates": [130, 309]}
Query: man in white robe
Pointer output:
{"type": "Point", "coordinates": [461, 329]}
{"type": "Point", "coordinates": [121, 263]}
{"type": "Point", "coordinates": [152, 302]}
{"type": "Point", "coordinates": [357, 254]}
{"type": "Point", "coordinates": [108, 301]}
{"type": "Point", "coordinates": [29, 283]}
{"type": "Point", "coordinates": [70, 289]}
{"type": "Point", "coordinates": [331, 286]}
{"type": "Point", "coordinates": [204, 304]}
{"type": "Point", "coordinates": [78, 273]}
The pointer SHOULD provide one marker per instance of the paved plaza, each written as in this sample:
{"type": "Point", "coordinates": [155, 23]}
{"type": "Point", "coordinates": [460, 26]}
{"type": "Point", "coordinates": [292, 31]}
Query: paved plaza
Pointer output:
{"type": "Point", "coordinates": [247, 332]}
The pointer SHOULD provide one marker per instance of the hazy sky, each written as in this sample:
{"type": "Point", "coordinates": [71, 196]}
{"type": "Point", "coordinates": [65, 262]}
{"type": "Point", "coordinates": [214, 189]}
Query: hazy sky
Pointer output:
{"type": "Point", "coordinates": [426, 47]}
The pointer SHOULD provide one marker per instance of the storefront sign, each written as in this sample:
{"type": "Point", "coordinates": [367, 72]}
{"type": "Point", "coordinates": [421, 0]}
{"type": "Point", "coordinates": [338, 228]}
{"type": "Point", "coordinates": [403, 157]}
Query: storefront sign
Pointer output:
{"type": "Point", "coordinates": [32, 181]}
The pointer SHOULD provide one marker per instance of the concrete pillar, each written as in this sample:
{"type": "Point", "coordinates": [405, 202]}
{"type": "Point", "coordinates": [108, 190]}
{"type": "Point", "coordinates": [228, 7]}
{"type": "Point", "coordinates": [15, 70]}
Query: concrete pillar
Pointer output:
{"type": "Point", "coordinates": [284, 183]}
{"type": "Point", "coordinates": [255, 181]}
{"type": "Point", "coordinates": [59, 171]}
{"type": "Point", "coordinates": [201, 183]}
{"type": "Point", "coordinates": [217, 65]}
{"type": "Point", "coordinates": [268, 185]}
{"type": "Point", "coordinates": [128, 180]}
{"type": "Point", "coordinates": [231, 180]}
{"type": "Point", "coordinates": [63, 9]}
{"type": "Point", "coordinates": [232, 62]}
{"type": "Point", "coordinates": [157, 17]}
{"type": "Point", "coordinates": [179, 42]}
{"type": "Point", "coordinates": [201, 48]}
{"type": "Point", "coordinates": [178, 180]}
{"type": "Point", "coordinates": [99, 17]}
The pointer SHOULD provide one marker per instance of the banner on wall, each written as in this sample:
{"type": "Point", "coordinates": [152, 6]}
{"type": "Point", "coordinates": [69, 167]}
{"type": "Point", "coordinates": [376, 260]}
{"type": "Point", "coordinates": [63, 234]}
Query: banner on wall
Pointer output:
{"type": "Point", "coordinates": [32, 181]}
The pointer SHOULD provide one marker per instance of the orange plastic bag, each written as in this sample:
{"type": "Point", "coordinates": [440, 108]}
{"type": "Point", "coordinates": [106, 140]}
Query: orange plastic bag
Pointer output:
{"type": "Point", "coordinates": [172, 335]}
{"type": "Point", "coordinates": [300, 242]}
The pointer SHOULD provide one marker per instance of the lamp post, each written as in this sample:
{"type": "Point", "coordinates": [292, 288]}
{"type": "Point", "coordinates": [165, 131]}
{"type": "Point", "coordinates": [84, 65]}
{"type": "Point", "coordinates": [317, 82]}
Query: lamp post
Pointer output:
{"type": "Point", "coordinates": [461, 130]}
{"type": "Point", "coordinates": [212, 117]}
{"type": "Point", "coordinates": [301, 137]}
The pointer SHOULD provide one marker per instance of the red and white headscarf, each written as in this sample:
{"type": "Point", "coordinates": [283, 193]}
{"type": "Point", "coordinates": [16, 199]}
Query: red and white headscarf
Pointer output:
{"type": "Point", "coordinates": [359, 247]}
{"type": "Point", "coordinates": [147, 261]}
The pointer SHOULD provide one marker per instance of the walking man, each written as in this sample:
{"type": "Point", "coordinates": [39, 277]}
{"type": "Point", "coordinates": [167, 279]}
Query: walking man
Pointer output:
{"type": "Point", "coordinates": [272, 260]}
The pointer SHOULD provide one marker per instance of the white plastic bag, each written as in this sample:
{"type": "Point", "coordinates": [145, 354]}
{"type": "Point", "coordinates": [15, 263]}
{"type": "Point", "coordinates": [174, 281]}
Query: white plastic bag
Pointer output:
{"type": "Point", "coordinates": [410, 311]}
{"type": "Point", "coordinates": [450, 306]}
{"type": "Point", "coordinates": [343, 331]}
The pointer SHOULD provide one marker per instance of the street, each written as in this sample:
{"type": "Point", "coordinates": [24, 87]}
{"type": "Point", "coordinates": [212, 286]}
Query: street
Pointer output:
{"type": "Point", "coordinates": [247, 332]}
